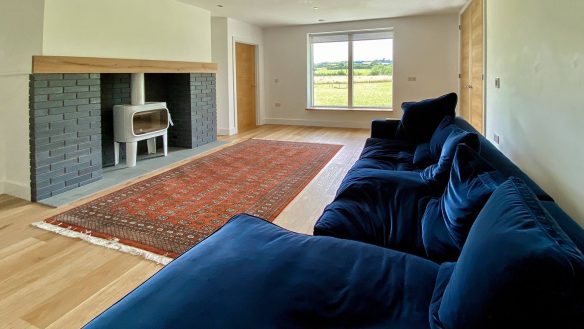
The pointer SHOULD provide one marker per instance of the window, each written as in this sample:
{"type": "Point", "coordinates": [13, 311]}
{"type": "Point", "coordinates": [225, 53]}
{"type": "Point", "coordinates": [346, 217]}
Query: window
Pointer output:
{"type": "Point", "coordinates": [351, 70]}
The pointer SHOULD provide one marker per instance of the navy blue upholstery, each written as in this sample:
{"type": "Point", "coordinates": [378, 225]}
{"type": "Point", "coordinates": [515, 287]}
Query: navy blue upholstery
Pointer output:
{"type": "Point", "coordinates": [572, 229]}
{"type": "Point", "coordinates": [420, 119]}
{"type": "Point", "coordinates": [254, 274]}
{"type": "Point", "coordinates": [389, 154]}
{"type": "Point", "coordinates": [381, 207]}
{"type": "Point", "coordinates": [447, 221]}
{"type": "Point", "coordinates": [500, 162]}
{"type": "Point", "coordinates": [518, 269]}
{"type": "Point", "coordinates": [521, 264]}
{"type": "Point", "coordinates": [384, 128]}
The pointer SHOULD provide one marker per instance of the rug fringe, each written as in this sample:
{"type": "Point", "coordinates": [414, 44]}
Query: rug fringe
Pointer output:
{"type": "Point", "coordinates": [111, 244]}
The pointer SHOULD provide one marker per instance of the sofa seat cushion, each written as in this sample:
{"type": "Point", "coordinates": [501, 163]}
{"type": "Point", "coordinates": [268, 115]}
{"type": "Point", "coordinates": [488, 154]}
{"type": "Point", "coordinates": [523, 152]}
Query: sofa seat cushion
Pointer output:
{"type": "Point", "coordinates": [394, 153]}
{"type": "Point", "coordinates": [420, 119]}
{"type": "Point", "coordinates": [388, 164]}
{"type": "Point", "coordinates": [517, 269]}
{"type": "Point", "coordinates": [380, 207]}
{"type": "Point", "coordinates": [254, 274]}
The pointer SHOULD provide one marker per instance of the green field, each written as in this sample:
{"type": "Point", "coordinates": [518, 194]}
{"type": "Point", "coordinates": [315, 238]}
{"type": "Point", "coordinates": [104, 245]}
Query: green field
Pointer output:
{"type": "Point", "coordinates": [365, 94]}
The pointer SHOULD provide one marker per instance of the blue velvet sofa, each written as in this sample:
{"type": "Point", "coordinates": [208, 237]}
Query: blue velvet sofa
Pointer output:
{"type": "Point", "coordinates": [411, 240]}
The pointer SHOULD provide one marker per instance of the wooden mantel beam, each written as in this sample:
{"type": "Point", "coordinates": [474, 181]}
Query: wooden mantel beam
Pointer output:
{"type": "Point", "coordinates": [65, 64]}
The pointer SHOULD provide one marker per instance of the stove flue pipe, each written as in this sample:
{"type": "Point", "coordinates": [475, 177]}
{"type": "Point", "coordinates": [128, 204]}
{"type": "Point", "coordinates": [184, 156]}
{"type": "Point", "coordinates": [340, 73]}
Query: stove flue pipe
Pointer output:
{"type": "Point", "coordinates": [138, 89]}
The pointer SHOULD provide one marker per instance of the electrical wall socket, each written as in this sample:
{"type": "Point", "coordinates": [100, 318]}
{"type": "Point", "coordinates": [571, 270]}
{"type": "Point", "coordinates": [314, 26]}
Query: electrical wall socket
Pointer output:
{"type": "Point", "coordinates": [412, 79]}
{"type": "Point", "coordinates": [496, 139]}
{"type": "Point", "coordinates": [498, 83]}
{"type": "Point", "coordinates": [277, 104]}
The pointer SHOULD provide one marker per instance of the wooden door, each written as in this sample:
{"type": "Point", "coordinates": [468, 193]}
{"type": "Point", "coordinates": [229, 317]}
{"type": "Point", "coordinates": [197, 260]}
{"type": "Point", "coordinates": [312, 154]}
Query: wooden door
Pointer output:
{"type": "Point", "coordinates": [472, 65]}
{"type": "Point", "coordinates": [465, 65]}
{"type": "Point", "coordinates": [245, 63]}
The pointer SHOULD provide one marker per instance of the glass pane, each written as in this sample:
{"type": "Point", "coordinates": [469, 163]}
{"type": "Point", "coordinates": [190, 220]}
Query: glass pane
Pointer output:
{"type": "Point", "coordinates": [150, 121]}
{"type": "Point", "coordinates": [373, 73]}
{"type": "Point", "coordinates": [330, 74]}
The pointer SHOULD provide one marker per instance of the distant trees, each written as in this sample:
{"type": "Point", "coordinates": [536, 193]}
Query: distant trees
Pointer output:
{"type": "Point", "coordinates": [381, 69]}
{"type": "Point", "coordinates": [361, 68]}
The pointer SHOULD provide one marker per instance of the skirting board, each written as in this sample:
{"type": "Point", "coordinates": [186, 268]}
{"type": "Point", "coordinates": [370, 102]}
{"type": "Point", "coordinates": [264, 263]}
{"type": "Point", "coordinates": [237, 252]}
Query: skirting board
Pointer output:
{"type": "Point", "coordinates": [303, 122]}
{"type": "Point", "coordinates": [226, 131]}
{"type": "Point", "coordinates": [15, 189]}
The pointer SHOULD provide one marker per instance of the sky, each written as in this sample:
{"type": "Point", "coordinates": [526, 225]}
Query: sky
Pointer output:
{"type": "Point", "coordinates": [367, 50]}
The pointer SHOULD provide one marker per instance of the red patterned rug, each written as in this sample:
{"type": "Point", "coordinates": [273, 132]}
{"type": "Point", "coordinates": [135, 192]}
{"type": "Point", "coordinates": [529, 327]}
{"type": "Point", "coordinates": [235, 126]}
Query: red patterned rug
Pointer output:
{"type": "Point", "coordinates": [167, 214]}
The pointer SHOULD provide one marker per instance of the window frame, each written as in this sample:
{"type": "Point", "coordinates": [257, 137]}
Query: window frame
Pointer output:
{"type": "Point", "coordinates": [350, 106]}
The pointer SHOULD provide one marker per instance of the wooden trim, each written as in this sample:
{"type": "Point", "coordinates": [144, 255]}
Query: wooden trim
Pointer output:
{"type": "Point", "coordinates": [346, 109]}
{"type": "Point", "coordinates": [64, 64]}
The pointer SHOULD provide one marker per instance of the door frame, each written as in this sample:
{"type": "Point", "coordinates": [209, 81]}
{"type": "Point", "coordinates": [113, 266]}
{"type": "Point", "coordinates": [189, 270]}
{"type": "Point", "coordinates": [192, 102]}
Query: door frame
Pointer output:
{"type": "Point", "coordinates": [484, 84]}
{"type": "Point", "coordinates": [256, 46]}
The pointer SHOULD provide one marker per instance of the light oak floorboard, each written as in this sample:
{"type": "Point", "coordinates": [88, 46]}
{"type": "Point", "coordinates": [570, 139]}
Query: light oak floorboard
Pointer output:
{"type": "Point", "coordinates": [51, 281]}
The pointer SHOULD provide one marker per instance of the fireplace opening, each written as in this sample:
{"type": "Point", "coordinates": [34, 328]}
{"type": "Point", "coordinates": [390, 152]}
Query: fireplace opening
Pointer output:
{"type": "Point", "coordinates": [170, 90]}
{"type": "Point", "coordinates": [139, 121]}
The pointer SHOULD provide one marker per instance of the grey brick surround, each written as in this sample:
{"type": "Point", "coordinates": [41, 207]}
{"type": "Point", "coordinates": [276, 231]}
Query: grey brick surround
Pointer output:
{"type": "Point", "coordinates": [115, 90]}
{"type": "Point", "coordinates": [65, 132]}
{"type": "Point", "coordinates": [71, 122]}
{"type": "Point", "coordinates": [203, 108]}
{"type": "Point", "coordinates": [191, 101]}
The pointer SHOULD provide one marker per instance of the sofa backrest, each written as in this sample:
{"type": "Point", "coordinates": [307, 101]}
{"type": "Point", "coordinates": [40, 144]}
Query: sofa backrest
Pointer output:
{"type": "Point", "coordinates": [572, 229]}
{"type": "Point", "coordinates": [500, 162]}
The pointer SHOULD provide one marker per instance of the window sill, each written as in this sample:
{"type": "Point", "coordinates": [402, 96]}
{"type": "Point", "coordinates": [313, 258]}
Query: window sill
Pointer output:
{"type": "Point", "coordinates": [350, 109]}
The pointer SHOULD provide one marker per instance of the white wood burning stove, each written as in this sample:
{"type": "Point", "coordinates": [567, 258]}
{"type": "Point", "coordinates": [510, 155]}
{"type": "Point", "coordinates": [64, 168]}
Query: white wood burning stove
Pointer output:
{"type": "Point", "coordinates": [140, 121]}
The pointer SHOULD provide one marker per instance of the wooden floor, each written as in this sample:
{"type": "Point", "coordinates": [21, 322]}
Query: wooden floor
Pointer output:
{"type": "Point", "coordinates": [50, 281]}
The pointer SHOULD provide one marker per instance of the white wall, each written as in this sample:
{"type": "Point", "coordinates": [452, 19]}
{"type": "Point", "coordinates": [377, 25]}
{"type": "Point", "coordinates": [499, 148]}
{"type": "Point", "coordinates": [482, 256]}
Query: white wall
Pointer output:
{"type": "Point", "coordinates": [536, 47]}
{"type": "Point", "coordinates": [142, 29]}
{"type": "Point", "coordinates": [425, 47]}
{"type": "Point", "coordinates": [21, 32]}
{"type": "Point", "coordinates": [225, 33]}
{"type": "Point", "coordinates": [220, 55]}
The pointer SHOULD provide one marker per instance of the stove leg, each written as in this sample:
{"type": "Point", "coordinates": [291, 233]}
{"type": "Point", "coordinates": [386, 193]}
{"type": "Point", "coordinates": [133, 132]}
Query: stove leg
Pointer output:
{"type": "Point", "coordinates": [131, 154]}
{"type": "Point", "coordinates": [116, 153]}
{"type": "Point", "coordinates": [165, 143]}
{"type": "Point", "coordinates": [152, 145]}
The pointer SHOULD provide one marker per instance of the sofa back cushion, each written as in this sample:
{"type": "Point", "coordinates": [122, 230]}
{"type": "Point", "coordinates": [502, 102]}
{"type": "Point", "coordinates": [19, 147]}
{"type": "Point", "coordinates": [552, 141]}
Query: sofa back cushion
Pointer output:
{"type": "Point", "coordinates": [420, 119]}
{"type": "Point", "coordinates": [437, 174]}
{"type": "Point", "coordinates": [517, 269]}
{"type": "Point", "coordinates": [429, 153]}
{"type": "Point", "coordinates": [440, 135]}
{"type": "Point", "coordinates": [447, 220]}
{"type": "Point", "coordinates": [422, 156]}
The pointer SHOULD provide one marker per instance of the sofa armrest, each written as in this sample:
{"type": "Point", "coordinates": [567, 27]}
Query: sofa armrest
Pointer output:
{"type": "Point", "coordinates": [384, 128]}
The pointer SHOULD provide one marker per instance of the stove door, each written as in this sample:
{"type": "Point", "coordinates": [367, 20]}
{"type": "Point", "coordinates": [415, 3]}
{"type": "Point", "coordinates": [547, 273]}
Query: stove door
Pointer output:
{"type": "Point", "coordinates": [149, 121]}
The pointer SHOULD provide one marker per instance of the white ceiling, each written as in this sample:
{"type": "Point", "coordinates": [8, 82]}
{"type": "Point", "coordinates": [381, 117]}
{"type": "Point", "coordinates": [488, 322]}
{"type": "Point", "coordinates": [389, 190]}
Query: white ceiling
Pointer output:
{"type": "Point", "coordinates": [266, 13]}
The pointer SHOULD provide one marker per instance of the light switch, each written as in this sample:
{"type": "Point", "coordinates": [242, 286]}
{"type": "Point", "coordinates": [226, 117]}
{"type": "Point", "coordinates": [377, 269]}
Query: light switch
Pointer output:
{"type": "Point", "coordinates": [497, 83]}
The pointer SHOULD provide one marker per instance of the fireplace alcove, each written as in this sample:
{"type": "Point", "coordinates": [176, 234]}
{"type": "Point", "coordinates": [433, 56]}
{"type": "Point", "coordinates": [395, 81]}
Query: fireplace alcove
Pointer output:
{"type": "Point", "coordinates": [71, 114]}
{"type": "Point", "coordinates": [172, 88]}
